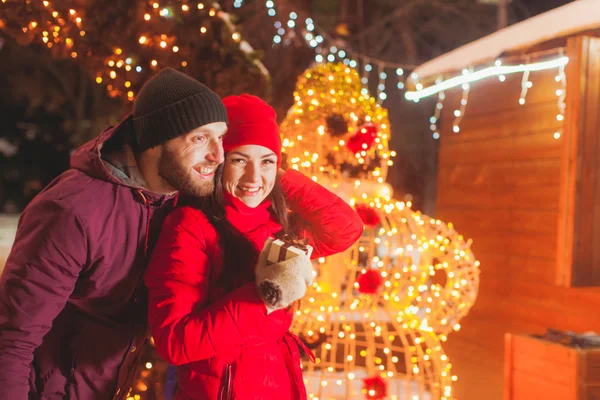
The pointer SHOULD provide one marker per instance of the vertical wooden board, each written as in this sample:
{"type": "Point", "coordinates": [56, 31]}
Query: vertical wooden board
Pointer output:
{"type": "Point", "coordinates": [593, 125]}
{"type": "Point", "coordinates": [508, 366]}
{"type": "Point", "coordinates": [568, 176]}
{"type": "Point", "coordinates": [586, 183]}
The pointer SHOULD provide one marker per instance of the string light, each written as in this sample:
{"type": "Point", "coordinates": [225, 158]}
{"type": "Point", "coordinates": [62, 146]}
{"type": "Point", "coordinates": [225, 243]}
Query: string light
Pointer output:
{"type": "Point", "coordinates": [525, 85]}
{"type": "Point", "coordinates": [381, 94]}
{"type": "Point", "coordinates": [315, 41]}
{"type": "Point", "coordinates": [65, 35]}
{"type": "Point", "coordinates": [315, 100]}
{"type": "Point", "coordinates": [460, 112]}
{"type": "Point", "coordinates": [434, 120]}
{"type": "Point", "coordinates": [482, 74]}
{"type": "Point", "coordinates": [561, 94]}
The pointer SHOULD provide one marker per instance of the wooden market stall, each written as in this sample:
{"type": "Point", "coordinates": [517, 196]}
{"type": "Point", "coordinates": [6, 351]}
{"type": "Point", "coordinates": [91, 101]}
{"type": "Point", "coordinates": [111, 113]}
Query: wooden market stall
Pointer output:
{"type": "Point", "coordinates": [519, 173]}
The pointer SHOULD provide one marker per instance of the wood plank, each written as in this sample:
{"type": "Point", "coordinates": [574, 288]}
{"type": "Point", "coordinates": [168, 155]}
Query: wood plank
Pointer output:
{"type": "Point", "coordinates": [568, 176]}
{"type": "Point", "coordinates": [504, 265]}
{"type": "Point", "coordinates": [592, 276]}
{"type": "Point", "coordinates": [543, 351]}
{"type": "Point", "coordinates": [518, 244]}
{"type": "Point", "coordinates": [508, 371]}
{"type": "Point", "coordinates": [540, 145]}
{"type": "Point", "coordinates": [525, 173]}
{"type": "Point", "coordinates": [533, 118]}
{"type": "Point", "coordinates": [528, 387]}
{"type": "Point", "coordinates": [531, 221]}
{"type": "Point", "coordinates": [541, 199]}
{"type": "Point", "coordinates": [584, 240]}
{"type": "Point", "coordinates": [541, 306]}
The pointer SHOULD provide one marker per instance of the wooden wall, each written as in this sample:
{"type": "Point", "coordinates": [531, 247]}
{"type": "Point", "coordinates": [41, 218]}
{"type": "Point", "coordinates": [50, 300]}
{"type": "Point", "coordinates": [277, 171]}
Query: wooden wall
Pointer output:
{"type": "Point", "coordinates": [501, 183]}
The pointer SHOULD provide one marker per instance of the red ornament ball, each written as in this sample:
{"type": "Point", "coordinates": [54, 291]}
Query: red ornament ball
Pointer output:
{"type": "Point", "coordinates": [375, 388]}
{"type": "Point", "coordinates": [363, 139]}
{"type": "Point", "coordinates": [369, 281]}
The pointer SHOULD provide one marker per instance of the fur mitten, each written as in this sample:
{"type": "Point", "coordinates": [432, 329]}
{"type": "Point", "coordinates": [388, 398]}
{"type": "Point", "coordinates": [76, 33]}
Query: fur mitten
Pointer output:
{"type": "Point", "coordinates": [282, 283]}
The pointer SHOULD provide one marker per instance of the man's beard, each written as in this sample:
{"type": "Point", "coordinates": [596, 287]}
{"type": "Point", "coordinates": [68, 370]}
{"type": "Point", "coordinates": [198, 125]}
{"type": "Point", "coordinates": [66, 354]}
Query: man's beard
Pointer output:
{"type": "Point", "coordinates": [180, 178]}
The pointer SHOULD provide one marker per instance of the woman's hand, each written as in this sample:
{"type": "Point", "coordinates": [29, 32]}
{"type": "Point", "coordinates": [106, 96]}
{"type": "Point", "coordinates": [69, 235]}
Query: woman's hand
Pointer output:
{"type": "Point", "coordinates": [282, 283]}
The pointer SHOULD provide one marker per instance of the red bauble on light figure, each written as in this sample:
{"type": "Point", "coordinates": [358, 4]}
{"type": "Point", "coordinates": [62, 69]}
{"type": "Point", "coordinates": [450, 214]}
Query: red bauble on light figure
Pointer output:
{"type": "Point", "coordinates": [369, 281]}
{"type": "Point", "coordinates": [364, 138]}
{"type": "Point", "coordinates": [375, 388]}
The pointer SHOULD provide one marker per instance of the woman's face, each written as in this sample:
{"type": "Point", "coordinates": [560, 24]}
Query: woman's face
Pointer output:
{"type": "Point", "coordinates": [249, 173]}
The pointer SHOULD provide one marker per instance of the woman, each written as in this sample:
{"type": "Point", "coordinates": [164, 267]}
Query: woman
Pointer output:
{"type": "Point", "coordinates": [206, 313]}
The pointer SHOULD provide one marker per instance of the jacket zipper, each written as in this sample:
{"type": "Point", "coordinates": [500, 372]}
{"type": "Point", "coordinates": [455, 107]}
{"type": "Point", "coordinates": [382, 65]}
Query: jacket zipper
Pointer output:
{"type": "Point", "coordinates": [225, 392]}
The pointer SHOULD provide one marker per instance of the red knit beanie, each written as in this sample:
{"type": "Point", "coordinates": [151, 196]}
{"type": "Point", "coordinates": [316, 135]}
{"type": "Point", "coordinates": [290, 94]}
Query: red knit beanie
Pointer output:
{"type": "Point", "coordinates": [251, 121]}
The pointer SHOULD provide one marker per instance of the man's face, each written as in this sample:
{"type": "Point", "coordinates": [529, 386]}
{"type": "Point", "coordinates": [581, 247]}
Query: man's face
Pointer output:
{"type": "Point", "coordinates": [188, 163]}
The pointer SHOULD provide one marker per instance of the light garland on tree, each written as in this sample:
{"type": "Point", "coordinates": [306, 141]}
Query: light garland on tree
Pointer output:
{"type": "Point", "coordinates": [329, 50]}
{"type": "Point", "coordinates": [121, 64]}
{"type": "Point", "coordinates": [376, 315]}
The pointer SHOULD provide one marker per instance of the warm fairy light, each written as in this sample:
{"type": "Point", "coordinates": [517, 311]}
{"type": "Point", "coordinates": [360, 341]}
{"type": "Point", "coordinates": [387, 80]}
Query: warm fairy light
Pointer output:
{"type": "Point", "coordinates": [308, 122]}
{"type": "Point", "coordinates": [63, 31]}
{"type": "Point", "coordinates": [460, 113]}
{"type": "Point", "coordinates": [427, 275]}
{"type": "Point", "coordinates": [561, 95]}
{"type": "Point", "coordinates": [500, 70]}
{"type": "Point", "coordinates": [485, 73]}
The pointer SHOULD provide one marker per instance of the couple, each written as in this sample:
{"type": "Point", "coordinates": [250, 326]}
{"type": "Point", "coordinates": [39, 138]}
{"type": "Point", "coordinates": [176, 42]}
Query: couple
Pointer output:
{"type": "Point", "coordinates": [74, 309]}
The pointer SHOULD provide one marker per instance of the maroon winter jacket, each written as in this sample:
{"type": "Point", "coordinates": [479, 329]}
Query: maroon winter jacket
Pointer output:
{"type": "Point", "coordinates": [72, 306]}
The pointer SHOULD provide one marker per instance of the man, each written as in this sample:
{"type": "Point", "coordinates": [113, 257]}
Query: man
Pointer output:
{"type": "Point", "coordinates": [72, 305]}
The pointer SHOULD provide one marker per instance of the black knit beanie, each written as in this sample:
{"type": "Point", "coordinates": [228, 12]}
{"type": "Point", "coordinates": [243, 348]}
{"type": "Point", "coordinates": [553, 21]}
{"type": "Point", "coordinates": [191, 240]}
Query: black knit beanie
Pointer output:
{"type": "Point", "coordinates": [171, 104]}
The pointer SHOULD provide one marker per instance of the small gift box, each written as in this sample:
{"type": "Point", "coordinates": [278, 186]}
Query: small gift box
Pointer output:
{"type": "Point", "coordinates": [284, 249]}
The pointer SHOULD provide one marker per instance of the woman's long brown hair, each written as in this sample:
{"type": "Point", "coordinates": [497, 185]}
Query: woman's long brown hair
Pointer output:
{"type": "Point", "coordinates": [238, 251]}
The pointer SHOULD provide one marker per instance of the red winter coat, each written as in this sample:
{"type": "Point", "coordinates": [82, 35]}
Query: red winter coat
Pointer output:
{"type": "Point", "coordinates": [205, 331]}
